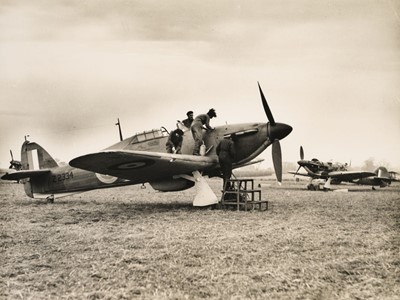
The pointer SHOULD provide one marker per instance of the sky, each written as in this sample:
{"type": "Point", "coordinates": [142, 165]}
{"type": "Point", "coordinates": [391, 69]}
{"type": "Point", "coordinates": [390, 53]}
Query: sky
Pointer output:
{"type": "Point", "coordinates": [330, 69]}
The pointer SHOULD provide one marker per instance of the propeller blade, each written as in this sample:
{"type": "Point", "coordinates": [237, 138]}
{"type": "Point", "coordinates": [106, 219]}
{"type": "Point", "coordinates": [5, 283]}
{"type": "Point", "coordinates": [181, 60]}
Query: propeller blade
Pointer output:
{"type": "Point", "coordinates": [266, 107]}
{"type": "Point", "coordinates": [12, 157]}
{"type": "Point", "coordinates": [301, 153]}
{"type": "Point", "coordinates": [298, 169]}
{"type": "Point", "coordinates": [277, 160]}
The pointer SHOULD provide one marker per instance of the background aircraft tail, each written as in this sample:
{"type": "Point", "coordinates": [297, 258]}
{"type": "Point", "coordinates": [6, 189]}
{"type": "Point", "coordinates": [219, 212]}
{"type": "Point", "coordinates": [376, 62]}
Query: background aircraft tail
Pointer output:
{"type": "Point", "coordinates": [34, 157]}
{"type": "Point", "coordinates": [382, 172]}
{"type": "Point", "coordinates": [383, 176]}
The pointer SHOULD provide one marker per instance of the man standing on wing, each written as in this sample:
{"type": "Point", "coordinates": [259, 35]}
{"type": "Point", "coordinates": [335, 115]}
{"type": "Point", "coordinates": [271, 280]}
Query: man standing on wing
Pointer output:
{"type": "Point", "coordinates": [197, 128]}
{"type": "Point", "coordinates": [188, 122]}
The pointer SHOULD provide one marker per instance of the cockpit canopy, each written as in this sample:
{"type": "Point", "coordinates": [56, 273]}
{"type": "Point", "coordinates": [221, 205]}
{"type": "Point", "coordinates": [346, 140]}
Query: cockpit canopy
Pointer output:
{"type": "Point", "coordinates": [149, 135]}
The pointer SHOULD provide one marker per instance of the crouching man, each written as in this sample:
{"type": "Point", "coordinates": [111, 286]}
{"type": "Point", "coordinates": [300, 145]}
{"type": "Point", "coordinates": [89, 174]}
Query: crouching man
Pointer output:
{"type": "Point", "coordinates": [174, 143]}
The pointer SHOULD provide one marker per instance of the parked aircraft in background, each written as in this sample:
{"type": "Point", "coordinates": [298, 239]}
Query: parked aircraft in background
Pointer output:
{"type": "Point", "coordinates": [393, 176]}
{"type": "Point", "coordinates": [381, 178]}
{"type": "Point", "coordinates": [14, 164]}
{"type": "Point", "coordinates": [335, 173]}
{"type": "Point", "coordinates": [142, 158]}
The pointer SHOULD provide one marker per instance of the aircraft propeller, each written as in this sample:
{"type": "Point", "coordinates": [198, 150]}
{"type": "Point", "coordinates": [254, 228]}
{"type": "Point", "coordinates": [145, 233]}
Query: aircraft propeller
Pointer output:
{"type": "Point", "coordinates": [301, 153]}
{"type": "Point", "coordinates": [301, 158]}
{"type": "Point", "coordinates": [14, 164]}
{"type": "Point", "coordinates": [275, 132]}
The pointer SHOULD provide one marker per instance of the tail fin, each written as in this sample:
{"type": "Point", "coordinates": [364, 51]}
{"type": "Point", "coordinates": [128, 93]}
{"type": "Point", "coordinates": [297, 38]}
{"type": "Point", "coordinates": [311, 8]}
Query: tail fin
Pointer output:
{"type": "Point", "coordinates": [382, 172]}
{"type": "Point", "coordinates": [34, 157]}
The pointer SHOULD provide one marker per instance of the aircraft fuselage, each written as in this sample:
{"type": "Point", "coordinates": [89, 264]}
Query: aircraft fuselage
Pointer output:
{"type": "Point", "coordinates": [69, 180]}
{"type": "Point", "coordinates": [250, 137]}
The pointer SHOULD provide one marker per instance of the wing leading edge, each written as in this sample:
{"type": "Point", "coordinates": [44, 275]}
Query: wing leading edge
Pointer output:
{"type": "Point", "coordinates": [350, 175]}
{"type": "Point", "coordinates": [340, 175]}
{"type": "Point", "coordinates": [142, 166]}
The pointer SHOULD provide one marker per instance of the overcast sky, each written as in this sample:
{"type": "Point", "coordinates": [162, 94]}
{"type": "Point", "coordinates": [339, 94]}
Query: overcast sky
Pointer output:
{"type": "Point", "coordinates": [330, 69]}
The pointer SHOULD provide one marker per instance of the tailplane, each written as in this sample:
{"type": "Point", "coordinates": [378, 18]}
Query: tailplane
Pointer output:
{"type": "Point", "coordinates": [36, 163]}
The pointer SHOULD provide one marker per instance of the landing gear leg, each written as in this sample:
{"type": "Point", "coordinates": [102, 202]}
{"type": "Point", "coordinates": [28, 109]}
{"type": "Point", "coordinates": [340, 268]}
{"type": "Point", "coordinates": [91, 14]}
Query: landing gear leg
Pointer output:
{"type": "Point", "coordinates": [204, 194]}
{"type": "Point", "coordinates": [50, 199]}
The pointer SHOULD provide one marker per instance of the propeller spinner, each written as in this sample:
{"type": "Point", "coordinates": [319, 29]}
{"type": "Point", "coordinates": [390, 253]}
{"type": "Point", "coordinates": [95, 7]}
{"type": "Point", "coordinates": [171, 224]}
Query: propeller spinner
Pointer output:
{"type": "Point", "coordinates": [276, 132]}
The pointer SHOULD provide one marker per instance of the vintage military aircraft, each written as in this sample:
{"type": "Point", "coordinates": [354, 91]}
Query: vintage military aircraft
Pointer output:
{"type": "Point", "coordinates": [393, 176]}
{"type": "Point", "coordinates": [335, 173]}
{"type": "Point", "coordinates": [381, 178]}
{"type": "Point", "coordinates": [14, 164]}
{"type": "Point", "coordinates": [142, 158]}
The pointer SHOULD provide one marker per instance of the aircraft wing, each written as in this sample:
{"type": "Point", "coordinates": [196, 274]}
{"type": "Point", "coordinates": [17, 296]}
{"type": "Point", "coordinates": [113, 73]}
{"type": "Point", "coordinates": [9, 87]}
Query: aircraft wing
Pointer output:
{"type": "Point", "coordinates": [18, 175]}
{"type": "Point", "coordinates": [142, 166]}
{"type": "Point", "coordinates": [350, 175]}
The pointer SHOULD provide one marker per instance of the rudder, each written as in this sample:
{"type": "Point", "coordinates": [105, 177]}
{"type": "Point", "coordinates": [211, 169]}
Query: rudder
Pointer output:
{"type": "Point", "coordinates": [34, 157]}
{"type": "Point", "coordinates": [382, 172]}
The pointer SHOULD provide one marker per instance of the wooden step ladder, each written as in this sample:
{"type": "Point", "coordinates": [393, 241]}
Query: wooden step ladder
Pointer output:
{"type": "Point", "coordinates": [241, 192]}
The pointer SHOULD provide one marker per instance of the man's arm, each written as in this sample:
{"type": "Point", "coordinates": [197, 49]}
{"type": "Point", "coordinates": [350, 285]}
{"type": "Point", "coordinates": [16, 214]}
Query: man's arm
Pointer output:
{"type": "Point", "coordinates": [207, 124]}
{"type": "Point", "coordinates": [179, 146]}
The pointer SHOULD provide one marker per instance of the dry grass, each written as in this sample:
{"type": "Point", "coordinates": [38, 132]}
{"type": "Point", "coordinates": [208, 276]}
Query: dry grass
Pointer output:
{"type": "Point", "coordinates": [129, 243]}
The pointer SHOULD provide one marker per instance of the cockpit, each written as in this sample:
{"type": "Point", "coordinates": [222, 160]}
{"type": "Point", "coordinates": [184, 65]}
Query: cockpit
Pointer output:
{"type": "Point", "coordinates": [149, 135]}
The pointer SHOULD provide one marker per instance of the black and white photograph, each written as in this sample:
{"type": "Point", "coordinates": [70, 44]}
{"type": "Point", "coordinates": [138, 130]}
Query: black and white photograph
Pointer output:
{"type": "Point", "coordinates": [199, 149]}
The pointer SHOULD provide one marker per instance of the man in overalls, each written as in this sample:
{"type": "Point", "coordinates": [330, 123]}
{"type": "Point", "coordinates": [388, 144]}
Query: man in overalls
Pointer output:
{"type": "Point", "coordinates": [226, 154]}
{"type": "Point", "coordinates": [197, 128]}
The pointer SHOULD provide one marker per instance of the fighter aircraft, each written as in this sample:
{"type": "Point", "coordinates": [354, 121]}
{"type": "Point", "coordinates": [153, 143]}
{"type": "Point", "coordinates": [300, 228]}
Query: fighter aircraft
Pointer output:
{"type": "Point", "coordinates": [393, 175]}
{"type": "Point", "coordinates": [142, 159]}
{"type": "Point", "coordinates": [14, 164]}
{"type": "Point", "coordinates": [331, 173]}
{"type": "Point", "coordinates": [381, 178]}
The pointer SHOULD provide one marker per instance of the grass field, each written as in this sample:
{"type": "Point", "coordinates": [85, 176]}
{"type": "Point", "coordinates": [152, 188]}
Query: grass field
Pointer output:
{"type": "Point", "coordinates": [129, 242]}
